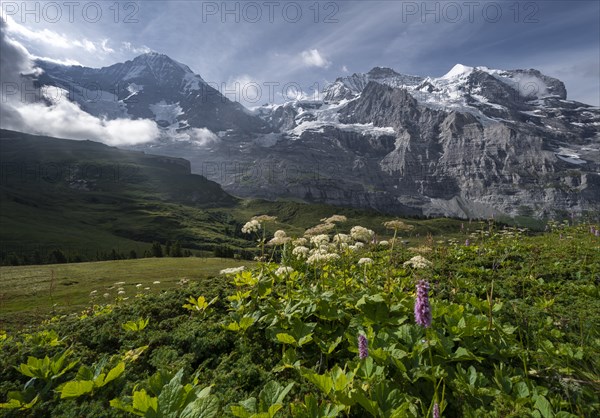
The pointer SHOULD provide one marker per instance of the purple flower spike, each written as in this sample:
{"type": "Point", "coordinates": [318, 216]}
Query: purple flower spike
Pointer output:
{"type": "Point", "coordinates": [436, 410]}
{"type": "Point", "coordinates": [422, 308]}
{"type": "Point", "coordinates": [597, 233]}
{"type": "Point", "coordinates": [467, 243]}
{"type": "Point", "coordinates": [363, 347]}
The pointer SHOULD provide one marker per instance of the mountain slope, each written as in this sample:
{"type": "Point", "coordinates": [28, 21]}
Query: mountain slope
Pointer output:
{"type": "Point", "coordinates": [85, 197]}
{"type": "Point", "coordinates": [151, 86]}
{"type": "Point", "coordinates": [475, 142]}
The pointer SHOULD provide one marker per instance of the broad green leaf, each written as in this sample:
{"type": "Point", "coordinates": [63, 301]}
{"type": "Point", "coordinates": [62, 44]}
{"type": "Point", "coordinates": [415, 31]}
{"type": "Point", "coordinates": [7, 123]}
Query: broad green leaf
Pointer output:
{"type": "Point", "coordinates": [172, 396]}
{"type": "Point", "coordinates": [115, 372]}
{"type": "Point", "coordinates": [370, 406]}
{"type": "Point", "coordinates": [323, 382]}
{"type": "Point", "coordinates": [521, 390]}
{"type": "Point", "coordinates": [206, 407]}
{"type": "Point", "coordinates": [246, 322]}
{"type": "Point", "coordinates": [273, 409]}
{"type": "Point", "coordinates": [84, 373]}
{"type": "Point", "coordinates": [75, 389]}
{"type": "Point", "coordinates": [143, 402]}
{"type": "Point", "coordinates": [285, 338]}
{"type": "Point", "coordinates": [273, 393]}
{"type": "Point", "coordinates": [542, 405]}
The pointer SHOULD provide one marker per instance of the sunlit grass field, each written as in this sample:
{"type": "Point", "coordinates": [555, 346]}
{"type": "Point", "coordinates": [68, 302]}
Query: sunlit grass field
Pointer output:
{"type": "Point", "coordinates": [30, 292]}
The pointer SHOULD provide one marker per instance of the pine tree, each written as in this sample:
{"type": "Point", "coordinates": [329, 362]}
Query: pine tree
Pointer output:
{"type": "Point", "coordinates": [176, 250]}
{"type": "Point", "coordinates": [156, 249]}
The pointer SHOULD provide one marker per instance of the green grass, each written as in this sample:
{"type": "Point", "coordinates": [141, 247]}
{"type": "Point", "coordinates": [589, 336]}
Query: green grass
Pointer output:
{"type": "Point", "coordinates": [30, 292]}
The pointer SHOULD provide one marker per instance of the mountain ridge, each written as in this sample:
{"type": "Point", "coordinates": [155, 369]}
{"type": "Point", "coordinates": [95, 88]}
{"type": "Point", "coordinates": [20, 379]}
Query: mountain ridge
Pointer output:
{"type": "Point", "coordinates": [475, 142]}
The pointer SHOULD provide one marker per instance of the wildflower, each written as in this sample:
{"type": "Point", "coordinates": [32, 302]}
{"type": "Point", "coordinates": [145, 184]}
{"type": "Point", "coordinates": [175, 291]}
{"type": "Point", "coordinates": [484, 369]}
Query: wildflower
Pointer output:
{"type": "Point", "coordinates": [264, 218]}
{"type": "Point", "coordinates": [139, 285]}
{"type": "Point", "coordinates": [357, 246]}
{"type": "Point", "coordinates": [467, 242]}
{"type": "Point", "coordinates": [363, 347]}
{"type": "Point", "coordinates": [282, 271]}
{"type": "Point", "coordinates": [319, 229]}
{"type": "Point", "coordinates": [316, 258]}
{"type": "Point", "coordinates": [233, 270]}
{"type": "Point", "coordinates": [251, 226]}
{"type": "Point", "coordinates": [418, 262]}
{"type": "Point", "coordinates": [119, 283]}
{"type": "Point", "coordinates": [422, 308]}
{"type": "Point", "coordinates": [397, 225]}
{"type": "Point", "coordinates": [280, 238]}
{"type": "Point", "coordinates": [146, 288]}
{"type": "Point", "coordinates": [106, 295]}
{"type": "Point", "coordinates": [365, 260]}
{"type": "Point", "coordinates": [300, 252]}
{"type": "Point", "coordinates": [436, 410]}
{"type": "Point", "coordinates": [93, 292]}
{"type": "Point", "coordinates": [319, 257]}
{"type": "Point", "coordinates": [360, 233]}
{"type": "Point", "coordinates": [384, 243]}
{"type": "Point", "coordinates": [319, 240]}
{"type": "Point", "coordinates": [121, 292]}
{"type": "Point", "coordinates": [156, 282]}
{"type": "Point", "coordinates": [334, 218]}
{"type": "Point", "coordinates": [299, 242]}
{"type": "Point", "coordinates": [342, 238]}
{"type": "Point", "coordinates": [332, 256]}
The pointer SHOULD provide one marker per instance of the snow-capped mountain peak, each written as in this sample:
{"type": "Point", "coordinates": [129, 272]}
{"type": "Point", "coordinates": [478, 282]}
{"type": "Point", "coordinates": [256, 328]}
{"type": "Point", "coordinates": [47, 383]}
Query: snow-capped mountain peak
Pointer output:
{"type": "Point", "coordinates": [458, 70]}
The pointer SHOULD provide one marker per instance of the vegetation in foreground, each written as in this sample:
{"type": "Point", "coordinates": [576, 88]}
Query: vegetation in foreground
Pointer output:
{"type": "Point", "coordinates": [500, 324]}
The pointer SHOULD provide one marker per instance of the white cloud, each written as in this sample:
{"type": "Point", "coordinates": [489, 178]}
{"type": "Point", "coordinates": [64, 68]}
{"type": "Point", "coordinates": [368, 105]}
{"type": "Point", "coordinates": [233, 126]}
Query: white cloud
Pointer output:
{"type": "Point", "coordinates": [345, 69]}
{"type": "Point", "coordinates": [54, 39]}
{"type": "Point", "coordinates": [202, 136]}
{"type": "Point", "coordinates": [61, 118]}
{"type": "Point", "coordinates": [128, 47]}
{"type": "Point", "coordinates": [313, 58]}
{"type": "Point", "coordinates": [65, 119]}
{"type": "Point", "coordinates": [105, 47]}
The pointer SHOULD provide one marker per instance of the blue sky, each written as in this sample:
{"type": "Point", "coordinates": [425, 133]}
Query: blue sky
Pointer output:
{"type": "Point", "coordinates": [560, 38]}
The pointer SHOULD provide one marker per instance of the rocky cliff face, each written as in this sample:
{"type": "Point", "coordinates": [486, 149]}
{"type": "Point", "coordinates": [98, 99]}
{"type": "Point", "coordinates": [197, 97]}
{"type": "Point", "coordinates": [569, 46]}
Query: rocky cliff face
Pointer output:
{"type": "Point", "coordinates": [474, 143]}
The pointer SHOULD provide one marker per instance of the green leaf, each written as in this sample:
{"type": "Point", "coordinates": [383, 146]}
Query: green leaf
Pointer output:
{"type": "Point", "coordinates": [115, 372]}
{"type": "Point", "coordinates": [273, 409]}
{"type": "Point", "coordinates": [143, 402]}
{"type": "Point", "coordinates": [75, 389]}
{"type": "Point", "coordinates": [273, 393]}
{"type": "Point", "coordinates": [370, 406]}
{"type": "Point", "coordinates": [206, 407]}
{"type": "Point", "coordinates": [285, 338]}
{"type": "Point", "coordinates": [521, 390]}
{"type": "Point", "coordinates": [172, 396]}
{"type": "Point", "coordinates": [84, 373]}
{"type": "Point", "coordinates": [542, 405]}
{"type": "Point", "coordinates": [323, 382]}
{"type": "Point", "coordinates": [462, 354]}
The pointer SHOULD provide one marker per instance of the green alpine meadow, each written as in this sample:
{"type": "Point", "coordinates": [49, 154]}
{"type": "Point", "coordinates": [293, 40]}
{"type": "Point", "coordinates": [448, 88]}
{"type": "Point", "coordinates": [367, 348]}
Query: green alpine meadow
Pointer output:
{"type": "Point", "coordinates": [337, 321]}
